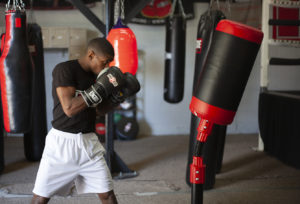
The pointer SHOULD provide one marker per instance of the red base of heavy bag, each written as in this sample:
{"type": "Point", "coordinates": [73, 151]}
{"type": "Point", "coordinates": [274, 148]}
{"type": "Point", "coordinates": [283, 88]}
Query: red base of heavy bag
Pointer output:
{"type": "Point", "coordinates": [15, 74]}
{"type": "Point", "coordinates": [212, 153]}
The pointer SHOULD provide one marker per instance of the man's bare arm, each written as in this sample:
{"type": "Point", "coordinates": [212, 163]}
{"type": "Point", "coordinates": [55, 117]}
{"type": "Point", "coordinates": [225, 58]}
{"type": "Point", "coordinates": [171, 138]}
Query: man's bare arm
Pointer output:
{"type": "Point", "coordinates": [71, 104]}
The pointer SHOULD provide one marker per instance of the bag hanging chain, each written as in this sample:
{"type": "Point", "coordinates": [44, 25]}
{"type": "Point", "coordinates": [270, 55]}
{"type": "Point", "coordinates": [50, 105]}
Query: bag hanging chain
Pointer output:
{"type": "Point", "coordinates": [227, 5]}
{"type": "Point", "coordinates": [180, 7]}
{"type": "Point", "coordinates": [122, 10]}
{"type": "Point", "coordinates": [116, 11]}
{"type": "Point", "coordinates": [31, 17]}
{"type": "Point", "coordinates": [212, 2]}
{"type": "Point", "coordinates": [16, 5]}
{"type": "Point", "coordinates": [119, 10]}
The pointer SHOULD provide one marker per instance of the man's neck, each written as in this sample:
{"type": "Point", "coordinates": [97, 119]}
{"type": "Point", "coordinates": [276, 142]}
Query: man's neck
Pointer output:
{"type": "Point", "coordinates": [83, 64]}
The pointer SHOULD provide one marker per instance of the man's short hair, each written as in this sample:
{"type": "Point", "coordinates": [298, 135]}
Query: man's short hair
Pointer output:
{"type": "Point", "coordinates": [101, 46]}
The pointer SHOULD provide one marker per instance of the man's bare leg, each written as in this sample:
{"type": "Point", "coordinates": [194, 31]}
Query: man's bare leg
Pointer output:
{"type": "Point", "coordinates": [36, 199]}
{"type": "Point", "coordinates": [108, 198]}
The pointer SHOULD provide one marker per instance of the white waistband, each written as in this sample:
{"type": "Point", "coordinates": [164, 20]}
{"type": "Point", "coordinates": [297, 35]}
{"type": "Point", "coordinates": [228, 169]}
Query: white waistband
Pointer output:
{"type": "Point", "coordinates": [69, 135]}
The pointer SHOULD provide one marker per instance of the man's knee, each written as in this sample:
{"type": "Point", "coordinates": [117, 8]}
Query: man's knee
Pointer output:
{"type": "Point", "coordinates": [36, 199]}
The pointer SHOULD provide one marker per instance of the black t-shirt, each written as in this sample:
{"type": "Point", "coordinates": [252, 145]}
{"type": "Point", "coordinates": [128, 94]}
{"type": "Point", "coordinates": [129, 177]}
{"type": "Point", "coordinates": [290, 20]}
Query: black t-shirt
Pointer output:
{"type": "Point", "coordinates": [70, 73]}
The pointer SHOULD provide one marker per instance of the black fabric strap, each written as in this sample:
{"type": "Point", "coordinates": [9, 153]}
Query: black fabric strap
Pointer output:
{"type": "Point", "coordinates": [284, 61]}
{"type": "Point", "coordinates": [284, 22]}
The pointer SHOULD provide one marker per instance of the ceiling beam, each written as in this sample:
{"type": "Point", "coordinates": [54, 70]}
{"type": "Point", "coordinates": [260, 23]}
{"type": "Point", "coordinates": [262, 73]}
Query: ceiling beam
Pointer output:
{"type": "Point", "coordinates": [89, 15]}
{"type": "Point", "coordinates": [139, 5]}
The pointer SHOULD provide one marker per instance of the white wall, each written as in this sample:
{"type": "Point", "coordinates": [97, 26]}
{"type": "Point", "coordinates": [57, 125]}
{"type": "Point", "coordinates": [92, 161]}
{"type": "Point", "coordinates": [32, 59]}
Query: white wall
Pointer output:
{"type": "Point", "coordinates": [284, 77]}
{"type": "Point", "coordinates": [158, 116]}
{"type": "Point", "coordinates": [164, 118]}
{"type": "Point", "coordinates": [52, 57]}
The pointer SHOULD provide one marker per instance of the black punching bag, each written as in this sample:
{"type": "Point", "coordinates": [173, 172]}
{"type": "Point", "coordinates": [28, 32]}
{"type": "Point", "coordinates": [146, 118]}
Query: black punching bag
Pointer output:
{"type": "Point", "coordinates": [15, 73]}
{"type": "Point", "coordinates": [206, 26]}
{"type": "Point", "coordinates": [226, 71]}
{"type": "Point", "coordinates": [34, 140]}
{"type": "Point", "coordinates": [2, 161]}
{"type": "Point", "coordinates": [174, 58]}
{"type": "Point", "coordinates": [220, 87]}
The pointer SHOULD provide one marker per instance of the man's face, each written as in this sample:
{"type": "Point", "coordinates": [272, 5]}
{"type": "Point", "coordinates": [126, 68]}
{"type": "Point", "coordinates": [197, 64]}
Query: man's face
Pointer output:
{"type": "Point", "coordinates": [98, 63]}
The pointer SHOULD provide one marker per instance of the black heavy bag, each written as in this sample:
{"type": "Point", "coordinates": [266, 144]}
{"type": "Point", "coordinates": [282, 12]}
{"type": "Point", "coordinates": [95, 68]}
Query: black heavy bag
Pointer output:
{"type": "Point", "coordinates": [174, 59]}
{"type": "Point", "coordinates": [206, 26]}
{"type": "Point", "coordinates": [34, 140]}
{"type": "Point", "coordinates": [2, 163]}
{"type": "Point", "coordinates": [15, 74]}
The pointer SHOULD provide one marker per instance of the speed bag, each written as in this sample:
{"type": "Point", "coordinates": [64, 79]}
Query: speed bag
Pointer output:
{"type": "Point", "coordinates": [34, 140]}
{"type": "Point", "coordinates": [174, 59]}
{"type": "Point", "coordinates": [15, 74]}
{"type": "Point", "coordinates": [206, 26]}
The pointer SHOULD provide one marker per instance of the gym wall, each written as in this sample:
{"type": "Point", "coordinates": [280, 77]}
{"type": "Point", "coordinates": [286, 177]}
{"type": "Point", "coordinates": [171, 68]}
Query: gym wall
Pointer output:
{"type": "Point", "coordinates": [156, 117]}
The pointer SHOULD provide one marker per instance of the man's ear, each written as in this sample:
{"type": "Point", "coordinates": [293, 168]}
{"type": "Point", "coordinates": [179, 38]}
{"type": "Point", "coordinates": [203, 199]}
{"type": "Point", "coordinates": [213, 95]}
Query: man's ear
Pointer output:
{"type": "Point", "coordinates": [91, 54]}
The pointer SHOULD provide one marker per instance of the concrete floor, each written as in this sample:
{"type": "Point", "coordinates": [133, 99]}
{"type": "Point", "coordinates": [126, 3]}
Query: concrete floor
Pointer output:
{"type": "Point", "coordinates": [247, 176]}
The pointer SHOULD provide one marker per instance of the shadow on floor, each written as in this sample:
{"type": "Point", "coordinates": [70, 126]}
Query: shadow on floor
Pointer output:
{"type": "Point", "coordinates": [16, 165]}
{"type": "Point", "coordinates": [154, 157]}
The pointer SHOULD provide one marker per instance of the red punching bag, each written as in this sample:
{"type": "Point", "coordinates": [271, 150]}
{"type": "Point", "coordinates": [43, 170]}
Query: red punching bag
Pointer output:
{"type": "Point", "coordinates": [124, 42]}
{"type": "Point", "coordinates": [15, 72]}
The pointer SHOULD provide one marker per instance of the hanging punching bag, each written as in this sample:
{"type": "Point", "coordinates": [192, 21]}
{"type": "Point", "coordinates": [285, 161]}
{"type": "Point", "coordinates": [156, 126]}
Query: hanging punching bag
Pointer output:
{"type": "Point", "coordinates": [206, 26]}
{"type": "Point", "coordinates": [1, 141]}
{"type": "Point", "coordinates": [15, 74]}
{"type": "Point", "coordinates": [174, 59]}
{"type": "Point", "coordinates": [124, 42]}
{"type": "Point", "coordinates": [1, 121]}
{"type": "Point", "coordinates": [2, 42]}
{"type": "Point", "coordinates": [34, 140]}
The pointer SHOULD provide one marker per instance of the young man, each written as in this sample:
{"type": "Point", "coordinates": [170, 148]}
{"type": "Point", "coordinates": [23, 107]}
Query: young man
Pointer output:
{"type": "Point", "coordinates": [72, 151]}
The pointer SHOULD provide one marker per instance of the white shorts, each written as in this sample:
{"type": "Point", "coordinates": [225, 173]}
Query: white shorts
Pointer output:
{"type": "Point", "coordinates": [71, 157]}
